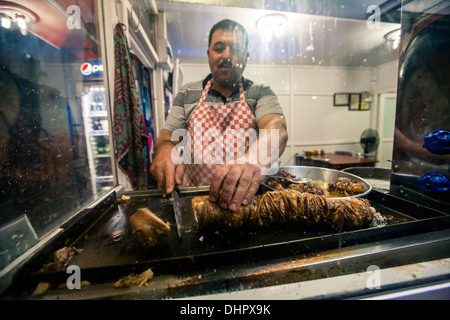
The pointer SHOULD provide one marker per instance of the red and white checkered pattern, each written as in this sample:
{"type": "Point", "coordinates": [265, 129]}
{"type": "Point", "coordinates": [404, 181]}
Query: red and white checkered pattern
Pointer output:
{"type": "Point", "coordinates": [219, 133]}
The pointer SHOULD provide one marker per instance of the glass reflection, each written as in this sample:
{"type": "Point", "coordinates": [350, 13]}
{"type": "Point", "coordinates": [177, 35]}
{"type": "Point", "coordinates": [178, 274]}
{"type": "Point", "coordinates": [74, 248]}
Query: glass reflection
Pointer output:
{"type": "Point", "coordinates": [45, 169]}
{"type": "Point", "coordinates": [55, 151]}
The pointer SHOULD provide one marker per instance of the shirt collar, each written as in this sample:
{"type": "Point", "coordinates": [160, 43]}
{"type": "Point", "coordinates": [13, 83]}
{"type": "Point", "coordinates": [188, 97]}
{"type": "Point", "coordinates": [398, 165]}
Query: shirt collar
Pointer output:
{"type": "Point", "coordinates": [246, 83]}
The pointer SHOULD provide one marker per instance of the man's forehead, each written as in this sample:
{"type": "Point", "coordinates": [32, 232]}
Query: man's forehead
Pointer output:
{"type": "Point", "coordinates": [234, 32]}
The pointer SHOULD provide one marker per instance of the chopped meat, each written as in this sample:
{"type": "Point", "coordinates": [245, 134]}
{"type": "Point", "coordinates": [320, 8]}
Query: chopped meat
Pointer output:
{"type": "Point", "coordinates": [41, 289]}
{"type": "Point", "coordinates": [287, 206]}
{"type": "Point", "coordinates": [273, 183]}
{"type": "Point", "coordinates": [134, 279]}
{"type": "Point", "coordinates": [280, 183]}
{"type": "Point", "coordinates": [345, 187]}
{"type": "Point", "coordinates": [60, 258]}
{"type": "Point", "coordinates": [311, 187]}
{"type": "Point", "coordinates": [147, 227]}
{"type": "Point", "coordinates": [124, 198]}
{"type": "Point", "coordinates": [286, 174]}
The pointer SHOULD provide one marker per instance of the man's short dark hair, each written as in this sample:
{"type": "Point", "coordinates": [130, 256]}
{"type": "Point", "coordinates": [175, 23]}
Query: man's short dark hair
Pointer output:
{"type": "Point", "coordinates": [228, 24]}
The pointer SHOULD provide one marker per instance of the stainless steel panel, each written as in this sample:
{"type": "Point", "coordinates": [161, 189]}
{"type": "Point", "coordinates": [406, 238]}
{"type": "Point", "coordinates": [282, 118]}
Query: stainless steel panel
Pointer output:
{"type": "Point", "coordinates": [379, 178]}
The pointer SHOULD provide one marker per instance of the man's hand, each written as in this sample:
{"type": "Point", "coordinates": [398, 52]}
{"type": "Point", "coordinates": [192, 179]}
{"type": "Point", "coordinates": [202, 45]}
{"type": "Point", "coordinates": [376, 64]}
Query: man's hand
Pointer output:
{"type": "Point", "coordinates": [235, 184]}
{"type": "Point", "coordinates": [163, 168]}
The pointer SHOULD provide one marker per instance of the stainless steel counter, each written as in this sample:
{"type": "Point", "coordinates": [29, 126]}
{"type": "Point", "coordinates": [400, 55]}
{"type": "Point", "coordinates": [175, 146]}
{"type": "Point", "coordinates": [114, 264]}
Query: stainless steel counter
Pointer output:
{"type": "Point", "coordinates": [359, 271]}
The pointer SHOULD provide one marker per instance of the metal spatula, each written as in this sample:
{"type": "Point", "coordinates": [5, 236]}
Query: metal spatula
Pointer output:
{"type": "Point", "coordinates": [295, 180]}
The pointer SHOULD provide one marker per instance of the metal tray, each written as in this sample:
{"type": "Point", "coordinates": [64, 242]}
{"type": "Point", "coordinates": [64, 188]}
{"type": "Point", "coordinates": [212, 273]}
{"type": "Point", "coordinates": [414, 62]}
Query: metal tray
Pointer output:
{"type": "Point", "coordinates": [321, 174]}
{"type": "Point", "coordinates": [379, 178]}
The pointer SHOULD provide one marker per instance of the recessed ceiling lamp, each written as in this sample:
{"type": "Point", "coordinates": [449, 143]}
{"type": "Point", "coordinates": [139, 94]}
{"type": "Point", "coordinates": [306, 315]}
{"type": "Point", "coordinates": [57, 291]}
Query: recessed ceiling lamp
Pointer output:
{"type": "Point", "coordinates": [272, 24]}
{"type": "Point", "coordinates": [393, 37]}
{"type": "Point", "coordinates": [13, 12]}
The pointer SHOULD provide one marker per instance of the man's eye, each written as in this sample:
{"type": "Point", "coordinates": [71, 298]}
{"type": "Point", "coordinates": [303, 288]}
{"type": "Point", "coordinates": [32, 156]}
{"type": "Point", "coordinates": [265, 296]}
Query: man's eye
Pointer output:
{"type": "Point", "coordinates": [218, 49]}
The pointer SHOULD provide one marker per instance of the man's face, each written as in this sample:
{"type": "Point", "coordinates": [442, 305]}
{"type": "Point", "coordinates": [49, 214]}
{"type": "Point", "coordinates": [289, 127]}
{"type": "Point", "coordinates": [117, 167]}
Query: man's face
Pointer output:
{"type": "Point", "coordinates": [227, 56]}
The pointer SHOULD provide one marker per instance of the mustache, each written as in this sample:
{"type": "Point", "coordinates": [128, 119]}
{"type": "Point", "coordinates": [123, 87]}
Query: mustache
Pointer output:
{"type": "Point", "coordinates": [226, 64]}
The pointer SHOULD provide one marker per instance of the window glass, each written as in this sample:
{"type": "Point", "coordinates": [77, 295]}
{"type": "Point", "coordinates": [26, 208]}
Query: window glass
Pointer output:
{"type": "Point", "coordinates": [306, 51]}
{"type": "Point", "coordinates": [54, 138]}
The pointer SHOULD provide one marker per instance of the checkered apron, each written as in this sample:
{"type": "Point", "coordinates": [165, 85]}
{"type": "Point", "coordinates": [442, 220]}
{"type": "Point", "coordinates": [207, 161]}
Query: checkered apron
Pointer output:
{"type": "Point", "coordinates": [218, 133]}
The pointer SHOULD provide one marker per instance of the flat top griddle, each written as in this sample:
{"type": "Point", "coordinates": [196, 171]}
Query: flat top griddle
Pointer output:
{"type": "Point", "coordinates": [110, 251]}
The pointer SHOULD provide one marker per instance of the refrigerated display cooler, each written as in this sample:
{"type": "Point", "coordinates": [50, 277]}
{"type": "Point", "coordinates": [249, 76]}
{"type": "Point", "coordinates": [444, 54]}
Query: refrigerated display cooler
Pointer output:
{"type": "Point", "coordinates": [97, 137]}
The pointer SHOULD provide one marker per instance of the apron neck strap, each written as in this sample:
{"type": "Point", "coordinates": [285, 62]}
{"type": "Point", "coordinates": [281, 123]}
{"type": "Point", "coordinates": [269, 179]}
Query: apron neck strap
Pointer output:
{"type": "Point", "coordinates": [209, 84]}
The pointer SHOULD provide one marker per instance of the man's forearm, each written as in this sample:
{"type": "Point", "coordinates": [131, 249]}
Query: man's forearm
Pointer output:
{"type": "Point", "coordinates": [270, 144]}
{"type": "Point", "coordinates": [165, 138]}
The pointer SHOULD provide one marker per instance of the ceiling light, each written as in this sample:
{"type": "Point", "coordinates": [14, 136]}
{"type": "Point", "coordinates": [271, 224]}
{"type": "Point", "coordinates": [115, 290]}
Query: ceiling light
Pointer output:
{"type": "Point", "coordinates": [272, 24]}
{"type": "Point", "coordinates": [393, 37]}
{"type": "Point", "coordinates": [17, 13]}
{"type": "Point", "coordinates": [21, 23]}
{"type": "Point", "coordinates": [6, 23]}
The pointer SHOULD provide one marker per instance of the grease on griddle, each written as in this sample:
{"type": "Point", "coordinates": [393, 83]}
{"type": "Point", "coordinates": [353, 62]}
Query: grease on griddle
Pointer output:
{"type": "Point", "coordinates": [115, 237]}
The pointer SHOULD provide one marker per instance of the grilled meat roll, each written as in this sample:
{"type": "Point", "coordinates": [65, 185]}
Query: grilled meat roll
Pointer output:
{"type": "Point", "coordinates": [286, 206]}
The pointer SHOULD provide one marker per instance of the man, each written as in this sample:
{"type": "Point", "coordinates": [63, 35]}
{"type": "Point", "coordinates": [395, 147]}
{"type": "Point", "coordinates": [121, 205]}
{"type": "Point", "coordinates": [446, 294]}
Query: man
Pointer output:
{"type": "Point", "coordinates": [222, 117]}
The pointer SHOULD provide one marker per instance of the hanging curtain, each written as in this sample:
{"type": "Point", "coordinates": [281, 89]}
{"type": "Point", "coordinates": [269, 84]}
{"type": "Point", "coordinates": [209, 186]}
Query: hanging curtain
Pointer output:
{"type": "Point", "coordinates": [129, 131]}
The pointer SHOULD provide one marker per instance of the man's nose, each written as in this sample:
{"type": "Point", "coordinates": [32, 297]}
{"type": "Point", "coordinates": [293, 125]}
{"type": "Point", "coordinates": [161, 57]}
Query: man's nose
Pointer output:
{"type": "Point", "coordinates": [226, 54]}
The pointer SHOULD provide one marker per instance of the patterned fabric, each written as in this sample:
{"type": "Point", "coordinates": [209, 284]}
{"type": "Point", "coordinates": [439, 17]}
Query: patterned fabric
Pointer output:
{"type": "Point", "coordinates": [129, 132]}
{"type": "Point", "coordinates": [219, 133]}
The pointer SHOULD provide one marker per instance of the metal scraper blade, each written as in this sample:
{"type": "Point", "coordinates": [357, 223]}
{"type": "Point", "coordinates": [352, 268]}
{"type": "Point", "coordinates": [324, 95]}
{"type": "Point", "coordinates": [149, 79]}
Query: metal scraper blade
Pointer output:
{"type": "Point", "coordinates": [177, 211]}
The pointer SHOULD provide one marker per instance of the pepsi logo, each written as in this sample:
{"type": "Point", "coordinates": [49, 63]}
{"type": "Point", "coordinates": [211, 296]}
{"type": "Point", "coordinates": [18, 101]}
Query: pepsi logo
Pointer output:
{"type": "Point", "coordinates": [86, 69]}
{"type": "Point", "coordinates": [91, 69]}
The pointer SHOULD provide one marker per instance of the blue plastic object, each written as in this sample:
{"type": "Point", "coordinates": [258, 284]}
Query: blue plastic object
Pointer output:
{"type": "Point", "coordinates": [434, 182]}
{"type": "Point", "coordinates": [438, 142]}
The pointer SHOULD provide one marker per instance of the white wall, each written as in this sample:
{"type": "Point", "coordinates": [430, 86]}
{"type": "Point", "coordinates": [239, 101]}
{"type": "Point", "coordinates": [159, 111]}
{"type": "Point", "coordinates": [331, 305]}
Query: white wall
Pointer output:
{"type": "Point", "coordinates": [385, 90]}
{"type": "Point", "coordinates": [306, 94]}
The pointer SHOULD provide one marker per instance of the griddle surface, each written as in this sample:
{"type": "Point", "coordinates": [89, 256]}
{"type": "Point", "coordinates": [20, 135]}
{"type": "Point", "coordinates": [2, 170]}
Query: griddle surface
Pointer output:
{"type": "Point", "coordinates": [110, 251]}
{"type": "Point", "coordinates": [110, 243]}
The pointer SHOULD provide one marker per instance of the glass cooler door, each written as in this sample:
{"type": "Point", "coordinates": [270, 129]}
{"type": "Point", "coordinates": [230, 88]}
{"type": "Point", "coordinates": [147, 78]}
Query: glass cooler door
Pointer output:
{"type": "Point", "coordinates": [97, 137]}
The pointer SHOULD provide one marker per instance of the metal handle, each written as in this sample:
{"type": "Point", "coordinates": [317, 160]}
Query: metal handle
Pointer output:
{"type": "Point", "coordinates": [438, 142]}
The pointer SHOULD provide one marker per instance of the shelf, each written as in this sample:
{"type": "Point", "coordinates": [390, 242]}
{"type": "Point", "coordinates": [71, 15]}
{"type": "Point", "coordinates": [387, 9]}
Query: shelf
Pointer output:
{"type": "Point", "coordinates": [102, 155]}
{"type": "Point", "coordinates": [102, 179]}
{"type": "Point", "coordinates": [94, 114]}
{"type": "Point", "coordinates": [97, 133]}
